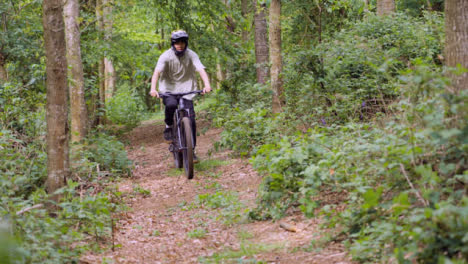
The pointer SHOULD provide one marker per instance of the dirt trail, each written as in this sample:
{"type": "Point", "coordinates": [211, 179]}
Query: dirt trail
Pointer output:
{"type": "Point", "coordinates": [174, 220]}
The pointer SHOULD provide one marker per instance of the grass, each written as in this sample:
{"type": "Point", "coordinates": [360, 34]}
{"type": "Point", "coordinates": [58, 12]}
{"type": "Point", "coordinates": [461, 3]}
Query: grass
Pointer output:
{"type": "Point", "coordinates": [229, 208]}
{"type": "Point", "coordinates": [197, 233]}
{"type": "Point", "coordinates": [213, 185]}
{"type": "Point", "coordinates": [245, 254]}
{"type": "Point", "coordinates": [137, 189]}
{"type": "Point", "coordinates": [174, 172]}
{"type": "Point", "coordinates": [210, 164]}
{"type": "Point", "coordinates": [202, 167]}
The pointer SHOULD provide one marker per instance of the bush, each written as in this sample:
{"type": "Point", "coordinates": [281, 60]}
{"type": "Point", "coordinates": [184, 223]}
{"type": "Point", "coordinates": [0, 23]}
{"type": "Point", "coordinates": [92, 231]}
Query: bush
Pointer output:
{"type": "Point", "coordinates": [402, 175]}
{"type": "Point", "coordinates": [36, 236]}
{"type": "Point", "coordinates": [351, 75]}
{"type": "Point", "coordinates": [125, 108]}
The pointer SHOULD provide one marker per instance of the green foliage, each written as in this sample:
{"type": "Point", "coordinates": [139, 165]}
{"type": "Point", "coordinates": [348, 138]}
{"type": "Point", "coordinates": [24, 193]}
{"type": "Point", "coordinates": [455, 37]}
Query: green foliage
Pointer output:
{"type": "Point", "coordinates": [196, 233]}
{"type": "Point", "coordinates": [44, 238]}
{"type": "Point", "coordinates": [247, 122]}
{"type": "Point", "coordinates": [247, 249]}
{"type": "Point", "coordinates": [227, 204]}
{"type": "Point", "coordinates": [124, 108]}
{"type": "Point", "coordinates": [351, 75]}
{"type": "Point", "coordinates": [21, 42]}
{"type": "Point", "coordinates": [83, 214]}
{"type": "Point", "coordinates": [22, 109]}
{"type": "Point", "coordinates": [106, 152]}
{"type": "Point", "coordinates": [396, 199]}
{"type": "Point", "coordinates": [22, 166]}
{"type": "Point", "coordinates": [381, 133]}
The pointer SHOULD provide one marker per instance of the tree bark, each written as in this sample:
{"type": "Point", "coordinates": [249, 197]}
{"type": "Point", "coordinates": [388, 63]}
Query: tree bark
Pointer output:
{"type": "Point", "coordinates": [110, 78]}
{"type": "Point", "coordinates": [261, 42]}
{"type": "Point", "coordinates": [101, 69]}
{"type": "Point", "coordinates": [385, 7]}
{"type": "Point", "coordinates": [57, 95]}
{"type": "Point", "coordinates": [109, 72]}
{"type": "Point", "coordinates": [245, 12]}
{"type": "Point", "coordinates": [275, 55]}
{"type": "Point", "coordinates": [3, 71]}
{"type": "Point", "coordinates": [456, 41]}
{"type": "Point", "coordinates": [79, 117]}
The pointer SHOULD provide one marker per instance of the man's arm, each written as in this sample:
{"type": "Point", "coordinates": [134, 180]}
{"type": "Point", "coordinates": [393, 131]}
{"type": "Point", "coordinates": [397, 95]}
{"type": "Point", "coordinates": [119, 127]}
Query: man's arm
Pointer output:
{"type": "Point", "coordinates": [154, 81]}
{"type": "Point", "coordinates": [206, 80]}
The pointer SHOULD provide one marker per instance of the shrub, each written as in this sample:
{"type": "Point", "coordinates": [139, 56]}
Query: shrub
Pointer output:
{"type": "Point", "coordinates": [36, 236]}
{"type": "Point", "coordinates": [402, 175]}
{"type": "Point", "coordinates": [351, 75]}
{"type": "Point", "coordinates": [125, 108]}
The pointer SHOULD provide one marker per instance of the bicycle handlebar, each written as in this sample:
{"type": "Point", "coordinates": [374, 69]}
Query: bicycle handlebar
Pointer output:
{"type": "Point", "coordinates": [166, 94]}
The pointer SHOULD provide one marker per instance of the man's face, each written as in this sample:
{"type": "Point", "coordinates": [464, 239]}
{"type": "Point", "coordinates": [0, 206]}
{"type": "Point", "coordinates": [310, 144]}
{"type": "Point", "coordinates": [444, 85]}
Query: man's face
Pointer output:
{"type": "Point", "coordinates": [179, 45]}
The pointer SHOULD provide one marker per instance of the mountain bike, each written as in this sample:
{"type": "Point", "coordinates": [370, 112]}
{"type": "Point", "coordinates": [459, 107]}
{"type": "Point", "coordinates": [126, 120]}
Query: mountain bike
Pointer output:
{"type": "Point", "coordinates": [181, 145]}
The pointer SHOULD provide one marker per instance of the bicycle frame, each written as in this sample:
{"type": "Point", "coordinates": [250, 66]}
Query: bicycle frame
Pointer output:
{"type": "Point", "coordinates": [182, 141]}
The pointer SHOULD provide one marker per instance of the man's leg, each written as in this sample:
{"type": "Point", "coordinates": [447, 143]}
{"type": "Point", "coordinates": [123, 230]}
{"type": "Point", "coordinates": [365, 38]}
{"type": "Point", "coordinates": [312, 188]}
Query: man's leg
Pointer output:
{"type": "Point", "coordinates": [170, 103]}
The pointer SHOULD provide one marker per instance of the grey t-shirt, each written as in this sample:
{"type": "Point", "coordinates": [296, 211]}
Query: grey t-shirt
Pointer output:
{"type": "Point", "coordinates": [178, 74]}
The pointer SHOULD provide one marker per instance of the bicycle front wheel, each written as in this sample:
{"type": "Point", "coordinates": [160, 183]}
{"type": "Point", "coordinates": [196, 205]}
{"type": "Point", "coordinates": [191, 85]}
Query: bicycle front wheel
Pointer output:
{"type": "Point", "coordinates": [187, 143]}
{"type": "Point", "coordinates": [178, 158]}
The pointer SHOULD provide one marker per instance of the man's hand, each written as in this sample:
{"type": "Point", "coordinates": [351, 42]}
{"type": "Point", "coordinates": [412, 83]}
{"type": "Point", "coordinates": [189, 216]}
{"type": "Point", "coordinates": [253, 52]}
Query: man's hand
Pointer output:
{"type": "Point", "coordinates": [207, 89]}
{"type": "Point", "coordinates": [154, 93]}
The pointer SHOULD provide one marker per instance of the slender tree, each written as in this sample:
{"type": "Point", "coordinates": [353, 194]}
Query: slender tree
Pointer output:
{"type": "Point", "coordinates": [261, 42]}
{"type": "Point", "coordinates": [245, 11]}
{"type": "Point", "coordinates": [3, 55]}
{"type": "Point", "coordinates": [101, 69]}
{"type": "Point", "coordinates": [79, 117]}
{"type": "Point", "coordinates": [456, 40]}
{"type": "Point", "coordinates": [109, 72]}
{"type": "Point", "coordinates": [385, 7]}
{"type": "Point", "coordinates": [57, 95]}
{"type": "Point", "coordinates": [3, 72]}
{"type": "Point", "coordinates": [275, 55]}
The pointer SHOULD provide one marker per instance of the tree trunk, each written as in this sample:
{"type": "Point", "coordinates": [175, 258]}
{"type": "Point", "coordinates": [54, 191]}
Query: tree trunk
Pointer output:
{"type": "Point", "coordinates": [110, 78]}
{"type": "Point", "coordinates": [261, 42]}
{"type": "Point", "coordinates": [3, 71]}
{"type": "Point", "coordinates": [3, 56]}
{"type": "Point", "coordinates": [57, 95]}
{"type": "Point", "coordinates": [275, 55]}
{"type": "Point", "coordinates": [245, 12]}
{"type": "Point", "coordinates": [79, 117]}
{"type": "Point", "coordinates": [109, 72]}
{"type": "Point", "coordinates": [219, 70]}
{"type": "Point", "coordinates": [385, 7]}
{"type": "Point", "coordinates": [456, 41]}
{"type": "Point", "coordinates": [101, 69]}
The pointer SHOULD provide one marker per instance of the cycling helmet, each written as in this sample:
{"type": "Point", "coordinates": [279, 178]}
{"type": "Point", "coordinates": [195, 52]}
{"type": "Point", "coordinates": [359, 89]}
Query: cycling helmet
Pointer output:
{"type": "Point", "coordinates": [179, 35]}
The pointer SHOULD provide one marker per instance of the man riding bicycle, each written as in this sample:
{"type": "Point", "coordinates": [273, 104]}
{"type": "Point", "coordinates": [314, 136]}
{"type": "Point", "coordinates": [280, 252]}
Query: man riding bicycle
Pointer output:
{"type": "Point", "coordinates": [175, 71]}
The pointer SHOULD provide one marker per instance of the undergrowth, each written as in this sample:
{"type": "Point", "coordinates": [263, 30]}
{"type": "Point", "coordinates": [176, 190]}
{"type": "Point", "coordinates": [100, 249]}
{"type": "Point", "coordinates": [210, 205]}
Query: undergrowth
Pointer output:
{"type": "Point", "coordinates": [82, 219]}
{"type": "Point", "coordinates": [368, 120]}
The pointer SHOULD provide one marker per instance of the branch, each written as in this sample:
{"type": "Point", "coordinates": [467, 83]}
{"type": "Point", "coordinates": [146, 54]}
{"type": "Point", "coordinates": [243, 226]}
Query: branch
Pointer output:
{"type": "Point", "coordinates": [421, 199]}
{"type": "Point", "coordinates": [22, 211]}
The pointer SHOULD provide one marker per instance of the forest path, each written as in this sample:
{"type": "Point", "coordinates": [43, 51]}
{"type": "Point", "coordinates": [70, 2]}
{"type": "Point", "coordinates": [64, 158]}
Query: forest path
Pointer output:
{"type": "Point", "coordinates": [175, 220]}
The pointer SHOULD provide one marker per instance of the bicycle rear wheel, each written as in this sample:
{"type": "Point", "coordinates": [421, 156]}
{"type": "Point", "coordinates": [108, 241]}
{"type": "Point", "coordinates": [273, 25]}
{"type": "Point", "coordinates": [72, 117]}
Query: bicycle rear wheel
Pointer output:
{"type": "Point", "coordinates": [187, 145]}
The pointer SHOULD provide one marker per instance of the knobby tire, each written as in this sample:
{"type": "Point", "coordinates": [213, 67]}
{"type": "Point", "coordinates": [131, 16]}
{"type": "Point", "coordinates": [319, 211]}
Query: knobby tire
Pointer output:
{"type": "Point", "coordinates": [187, 144]}
{"type": "Point", "coordinates": [178, 158]}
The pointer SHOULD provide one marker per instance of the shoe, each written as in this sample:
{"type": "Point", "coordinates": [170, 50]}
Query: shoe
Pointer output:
{"type": "Point", "coordinates": [195, 158]}
{"type": "Point", "coordinates": [168, 133]}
